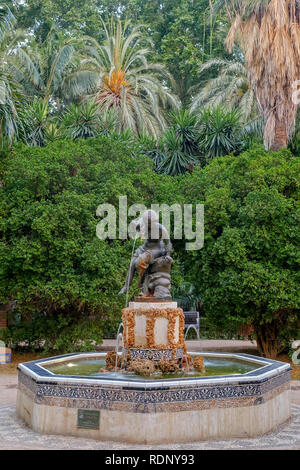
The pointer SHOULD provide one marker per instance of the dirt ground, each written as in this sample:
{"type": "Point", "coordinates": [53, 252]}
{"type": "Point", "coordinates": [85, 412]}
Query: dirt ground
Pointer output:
{"type": "Point", "coordinates": [295, 372]}
{"type": "Point", "coordinates": [17, 358]}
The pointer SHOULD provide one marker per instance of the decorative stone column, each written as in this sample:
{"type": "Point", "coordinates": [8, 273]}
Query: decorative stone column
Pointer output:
{"type": "Point", "coordinates": [153, 330]}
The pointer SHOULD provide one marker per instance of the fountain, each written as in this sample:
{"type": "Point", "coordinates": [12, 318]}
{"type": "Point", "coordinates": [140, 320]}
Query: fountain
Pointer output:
{"type": "Point", "coordinates": [192, 327]}
{"type": "Point", "coordinates": [153, 390]}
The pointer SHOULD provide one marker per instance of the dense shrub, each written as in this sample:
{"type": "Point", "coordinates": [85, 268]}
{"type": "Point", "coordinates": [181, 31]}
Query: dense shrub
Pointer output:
{"type": "Point", "coordinates": [248, 270]}
{"type": "Point", "coordinates": [60, 274]}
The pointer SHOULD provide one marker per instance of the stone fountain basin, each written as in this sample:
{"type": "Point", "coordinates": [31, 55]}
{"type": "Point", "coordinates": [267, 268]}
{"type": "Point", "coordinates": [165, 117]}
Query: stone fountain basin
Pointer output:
{"type": "Point", "coordinates": [155, 411]}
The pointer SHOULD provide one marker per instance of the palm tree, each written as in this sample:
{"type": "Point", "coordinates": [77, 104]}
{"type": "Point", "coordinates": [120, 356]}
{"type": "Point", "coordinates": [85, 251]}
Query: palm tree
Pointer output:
{"type": "Point", "coordinates": [10, 90]}
{"type": "Point", "coordinates": [118, 76]}
{"type": "Point", "coordinates": [230, 88]}
{"type": "Point", "coordinates": [46, 68]}
{"type": "Point", "coordinates": [268, 32]}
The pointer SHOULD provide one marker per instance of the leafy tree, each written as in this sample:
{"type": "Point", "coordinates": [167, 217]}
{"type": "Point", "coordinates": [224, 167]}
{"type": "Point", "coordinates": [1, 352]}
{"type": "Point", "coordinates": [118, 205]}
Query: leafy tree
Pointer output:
{"type": "Point", "coordinates": [248, 269]}
{"type": "Point", "coordinates": [269, 33]}
{"type": "Point", "coordinates": [182, 47]}
{"type": "Point", "coordinates": [60, 274]}
{"type": "Point", "coordinates": [184, 34]}
{"type": "Point", "coordinates": [73, 16]}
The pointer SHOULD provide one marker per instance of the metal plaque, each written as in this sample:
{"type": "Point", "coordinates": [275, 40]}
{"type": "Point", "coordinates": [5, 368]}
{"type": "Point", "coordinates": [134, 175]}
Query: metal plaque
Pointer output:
{"type": "Point", "coordinates": [88, 419]}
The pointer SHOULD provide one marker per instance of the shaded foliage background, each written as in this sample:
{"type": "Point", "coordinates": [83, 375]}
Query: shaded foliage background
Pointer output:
{"type": "Point", "coordinates": [65, 280]}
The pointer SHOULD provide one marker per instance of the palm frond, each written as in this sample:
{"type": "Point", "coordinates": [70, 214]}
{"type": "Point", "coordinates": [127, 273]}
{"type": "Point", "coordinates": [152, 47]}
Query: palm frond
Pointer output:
{"type": "Point", "coordinates": [7, 20]}
{"type": "Point", "coordinates": [230, 88]}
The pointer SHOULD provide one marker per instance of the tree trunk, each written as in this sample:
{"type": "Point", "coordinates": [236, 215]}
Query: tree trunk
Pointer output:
{"type": "Point", "coordinates": [246, 330]}
{"type": "Point", "coordinates": [281, 138]}
{"type": "Point", "coordinates": [268, 344]}
{"type": "Point", "coordinates": [4, 309]}
{"type": "Point", "coordinates": [3, 319]}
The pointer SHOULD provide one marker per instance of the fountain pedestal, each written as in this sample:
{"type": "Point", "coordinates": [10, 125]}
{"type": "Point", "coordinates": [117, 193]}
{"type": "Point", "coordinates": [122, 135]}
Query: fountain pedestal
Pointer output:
{"type": "Point", "coordinates": [153, 330]}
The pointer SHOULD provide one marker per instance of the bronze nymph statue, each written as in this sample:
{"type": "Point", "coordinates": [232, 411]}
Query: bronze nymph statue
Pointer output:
{"type": "Point", "coordinates": [152, 260]}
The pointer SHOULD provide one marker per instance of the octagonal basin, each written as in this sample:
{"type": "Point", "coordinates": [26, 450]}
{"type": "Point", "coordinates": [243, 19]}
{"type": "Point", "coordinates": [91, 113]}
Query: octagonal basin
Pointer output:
{"type": "Point", "coordinates": [239, 396]}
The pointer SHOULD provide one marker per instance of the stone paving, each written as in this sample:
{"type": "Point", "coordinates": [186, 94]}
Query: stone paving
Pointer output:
{"type": "Point", "coordinates": [8, 389]}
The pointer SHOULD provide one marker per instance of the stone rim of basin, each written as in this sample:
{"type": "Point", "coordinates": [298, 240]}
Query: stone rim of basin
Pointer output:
{"type": "Point", "coordinates": [267, 369]}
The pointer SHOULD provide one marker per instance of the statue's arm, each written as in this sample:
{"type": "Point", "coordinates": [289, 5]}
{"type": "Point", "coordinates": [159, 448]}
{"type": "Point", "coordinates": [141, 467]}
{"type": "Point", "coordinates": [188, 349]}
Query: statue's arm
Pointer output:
{"type": "Point", "coordinates": [129, 277]}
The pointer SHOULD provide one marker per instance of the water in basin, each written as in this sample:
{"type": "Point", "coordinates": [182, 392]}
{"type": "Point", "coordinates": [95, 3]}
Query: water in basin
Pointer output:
{"type": "Point", "coordinates": [215, 366]}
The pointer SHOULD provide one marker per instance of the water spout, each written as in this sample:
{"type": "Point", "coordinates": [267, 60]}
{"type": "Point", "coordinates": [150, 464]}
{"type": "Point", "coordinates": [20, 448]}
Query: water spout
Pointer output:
{"type": "Point", "coordinates": [119, 328]}
{"type": "Point", "coordinates": [187, 362]}
{"type": "Point", "coordinates": [132, 251]}
{"type": "Point", "coordinates": [194, 328]}
{"type": "Point", "coordinates": [119, 338]}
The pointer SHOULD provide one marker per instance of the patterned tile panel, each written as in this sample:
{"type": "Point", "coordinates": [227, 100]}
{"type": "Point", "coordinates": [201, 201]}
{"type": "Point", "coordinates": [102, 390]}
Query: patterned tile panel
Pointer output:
{"type": "Point", "coordinates": [154, 354]}
{"type": "Point", "coordinates": [146, 401]}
